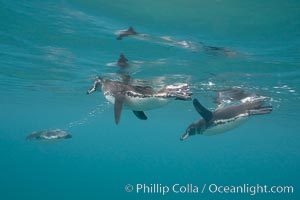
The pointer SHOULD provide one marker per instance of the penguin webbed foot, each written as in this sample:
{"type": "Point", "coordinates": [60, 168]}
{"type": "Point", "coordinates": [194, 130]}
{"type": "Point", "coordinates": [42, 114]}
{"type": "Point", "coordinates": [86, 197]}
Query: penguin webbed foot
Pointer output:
{"type": "Point", "coordinates": [181, 95]}
{"type": "Point", "coordinates": [261, 110]}
{"type": "Point", "coordinates": [140, 114]}
{"type": "Point", "coordinates": [183, 98]}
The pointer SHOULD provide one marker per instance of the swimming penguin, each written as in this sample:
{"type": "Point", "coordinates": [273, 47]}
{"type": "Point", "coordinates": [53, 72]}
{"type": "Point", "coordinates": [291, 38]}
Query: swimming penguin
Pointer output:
{"type": "Point", "coordinates": [49, 135]}
{"type": "Point", "coordinates": [126, 33]}
{"type": "Point", "coordinates": [229, 95]}
{"type": "Point", "coordinates": [138, 98]}
{"type": "Point", "coordinates": [224, 119]}
{"type": "Point", "coordinates": [122, 62]}
{"type": "Point", "coordinates": [215, 50]}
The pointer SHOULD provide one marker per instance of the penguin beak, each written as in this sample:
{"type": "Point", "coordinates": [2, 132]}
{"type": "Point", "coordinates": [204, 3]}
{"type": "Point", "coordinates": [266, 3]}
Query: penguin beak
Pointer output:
{"type": "Point", "coordinates": [93, 89]}
{"type": "Point", "coordinates": [185, 136]}
{"type": "Point", "coordinates": [97, 85]}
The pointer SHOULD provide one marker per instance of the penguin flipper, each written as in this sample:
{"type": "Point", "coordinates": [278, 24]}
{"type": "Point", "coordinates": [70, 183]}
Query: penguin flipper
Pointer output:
{"type": "Point", "coordinates": [140, 114]}
{"type": "Point", "coordinates": [205, 113]}
{"type": "Point", "coordinates": [118, 108]}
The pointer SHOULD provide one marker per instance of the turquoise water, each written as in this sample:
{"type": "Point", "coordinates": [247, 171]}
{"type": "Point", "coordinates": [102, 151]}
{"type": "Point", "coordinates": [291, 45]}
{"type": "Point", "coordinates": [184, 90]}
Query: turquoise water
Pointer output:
{"type": "Point", "coordinates": [50, 52]}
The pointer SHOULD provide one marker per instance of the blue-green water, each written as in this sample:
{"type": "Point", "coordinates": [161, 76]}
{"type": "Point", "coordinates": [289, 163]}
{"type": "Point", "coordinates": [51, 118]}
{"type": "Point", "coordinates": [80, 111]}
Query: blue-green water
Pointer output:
{"type": "Point", "coordinates": [50, 51]}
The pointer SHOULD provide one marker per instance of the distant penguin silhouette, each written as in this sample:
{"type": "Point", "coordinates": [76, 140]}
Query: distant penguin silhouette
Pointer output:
{"type": "Point", "coordinates": [122, 62]}
{"type": "Point", "coordinates": [214, 50]}
{"type": "Point", "coordinates": [217, 50]}
{"type": "Point", "coordinates": [126, 33]}
{"type": "Point", "coordinates": [55, 134]}
{"type": "Point", "coordinates": [138, 98]}
{"type": "Point", "coordinates": [224, 119]}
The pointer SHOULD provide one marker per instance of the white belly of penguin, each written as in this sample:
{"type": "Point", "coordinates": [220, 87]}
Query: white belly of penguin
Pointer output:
{"type": "Point", "coordinates": [141, 104]}
{"type": "Point", "coordinates": [221, 126]}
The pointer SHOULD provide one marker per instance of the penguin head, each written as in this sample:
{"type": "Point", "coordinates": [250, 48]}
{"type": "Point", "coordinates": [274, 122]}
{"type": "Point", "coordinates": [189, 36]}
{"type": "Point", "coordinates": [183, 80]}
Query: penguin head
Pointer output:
{"type": "Point", "coordinates": [68, 136]}
{"type": "Point", "coordinates": [193, 129]}
{"type": "Point", "coordinates": [97, 86]}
